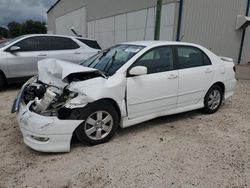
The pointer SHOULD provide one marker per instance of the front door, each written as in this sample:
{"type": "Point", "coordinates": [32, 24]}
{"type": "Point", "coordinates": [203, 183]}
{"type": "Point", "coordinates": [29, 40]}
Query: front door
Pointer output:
{"type": "Point", "coordinates": [156, 91]}
{"type": "Point", "coordinates": [23, 63]}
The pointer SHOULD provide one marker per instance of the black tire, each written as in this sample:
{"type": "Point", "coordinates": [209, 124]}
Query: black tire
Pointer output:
{"type": "Point", "coordinates": [90, 113]}
{"type": "Point", "coordinates": [212, 105]}
{"type": "Point", "coordinates": [2, 82]}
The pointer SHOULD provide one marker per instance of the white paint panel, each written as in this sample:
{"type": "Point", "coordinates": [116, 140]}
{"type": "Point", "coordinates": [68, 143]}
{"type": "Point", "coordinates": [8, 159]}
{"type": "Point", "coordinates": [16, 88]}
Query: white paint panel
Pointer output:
{"type": "Point", "coordinates": [149, 35]}
{"type": "Point", "coordinates": [96, 30]}
{"type": "Point", "coordinates": [106, 31]}
{"type": "Point", "coordinates": [245, 58]}
{"type": "Point", "coordinates": [120, 22]}
{"type": "Point", "coordinates": [136, 34]}
{"type": "Point", "coordinates": [211, 23]}
{"type": "Point", "coordinates": [106, 24]}
{"type": "Point", "coordinates": [120, 36]}
{"type": "Point", "coordinates": [132, 26]}
{"type": "Point", "coordinates": [167, 15]}
{"type": "Point", "coordinates": [76, 19]}
{"type": "Point", "coordinates": [91, 29]}
{"type": "Point", "coordinates": [120, 28]}
{"type": "Point", "coordinates": [136, 20]}
{"type": "Point", "coordinates": [50, 32]}
{"type": "Point", "coordinates": [167, 33]}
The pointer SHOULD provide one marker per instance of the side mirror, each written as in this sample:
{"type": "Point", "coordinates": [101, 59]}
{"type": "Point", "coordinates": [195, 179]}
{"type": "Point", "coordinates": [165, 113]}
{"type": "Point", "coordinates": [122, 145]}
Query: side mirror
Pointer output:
{"type": "Point", "coordinates": [14, 48]}
{"type": "Point", "coordinates": [138, 70]}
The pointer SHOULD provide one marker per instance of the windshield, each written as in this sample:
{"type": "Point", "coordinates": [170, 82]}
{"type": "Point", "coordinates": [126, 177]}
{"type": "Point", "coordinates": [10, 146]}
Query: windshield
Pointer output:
{"type": "Point", "coordinates": [8, 41]}
{"type": "Point", "coordinates": [110, 60]}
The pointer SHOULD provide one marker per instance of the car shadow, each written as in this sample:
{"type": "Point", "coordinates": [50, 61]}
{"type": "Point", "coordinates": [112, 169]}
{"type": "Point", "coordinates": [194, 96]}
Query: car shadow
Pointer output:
{"type": "Point", "coordinates": [12, 87]}
{"type": "Point", "coordinates": [142, 127]}
{"type": "Point", "coordinates": [164, 120]}
{"type": "Point", "coordinates": [121, 133]}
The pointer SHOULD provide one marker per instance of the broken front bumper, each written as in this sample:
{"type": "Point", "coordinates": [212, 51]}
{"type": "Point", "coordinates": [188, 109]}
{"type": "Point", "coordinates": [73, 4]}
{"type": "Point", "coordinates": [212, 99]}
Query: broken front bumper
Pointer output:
{"type": "Point", "coordinates": [43, 133]}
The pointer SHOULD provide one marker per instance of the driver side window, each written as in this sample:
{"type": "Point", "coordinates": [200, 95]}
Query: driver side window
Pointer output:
{"type": "Point", "coordinates": [40, 43]}
{"type": "Point", "coordinates": [156, 60]}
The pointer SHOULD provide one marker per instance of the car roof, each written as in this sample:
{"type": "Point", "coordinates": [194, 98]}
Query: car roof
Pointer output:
{"type": "Point", "coordinates": [158, 42]}
{"type": "Point", "coordinates": [54, 35]}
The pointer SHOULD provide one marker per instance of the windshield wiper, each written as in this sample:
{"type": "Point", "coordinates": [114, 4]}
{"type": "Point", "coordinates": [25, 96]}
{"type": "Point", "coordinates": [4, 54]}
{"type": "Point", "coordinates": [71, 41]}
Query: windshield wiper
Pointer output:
{"type": "Point", "coordinates": [102, 73]}
{"type": "Point", "coordinates": [110, 63]}
{"type": "Point", "coordinates": [103, 54]}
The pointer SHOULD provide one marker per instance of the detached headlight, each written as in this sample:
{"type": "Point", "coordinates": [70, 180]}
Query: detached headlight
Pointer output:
{"type": "Point", "coordinates": [31, 80]}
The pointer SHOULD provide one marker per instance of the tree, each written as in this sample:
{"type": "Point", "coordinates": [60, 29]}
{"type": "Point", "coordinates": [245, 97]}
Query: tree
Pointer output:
{"type": "Point", "coordinates": [28, 27]}
{"type": "Point", "coordinates": [3, 32]}
{"type": "Point", "coordinates": [33, 27]}
{"type": "Point", "coordinates": [14, 29]}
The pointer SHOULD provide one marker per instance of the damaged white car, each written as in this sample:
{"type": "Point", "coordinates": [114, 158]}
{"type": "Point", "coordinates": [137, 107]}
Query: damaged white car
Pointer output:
{"type": "Point", "coordinates": [121, 86]}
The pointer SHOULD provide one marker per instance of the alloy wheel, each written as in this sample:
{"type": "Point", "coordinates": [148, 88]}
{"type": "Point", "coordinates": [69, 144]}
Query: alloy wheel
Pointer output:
{"type": "Point", "coordinates": [214, 99]}
{"type": "Point", "coordinates": [98, 125]}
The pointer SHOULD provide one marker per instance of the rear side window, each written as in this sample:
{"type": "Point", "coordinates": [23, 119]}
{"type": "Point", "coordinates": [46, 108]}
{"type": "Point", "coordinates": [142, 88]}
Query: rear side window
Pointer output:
{"type": "Point", "coordinates": [33, 44]}
{"type": "Point", "coordinates": [90, 43]}
{"type": "Point", "coordinates": [189, 57]}
{"type": "Point", "coordinates": [62, 43]}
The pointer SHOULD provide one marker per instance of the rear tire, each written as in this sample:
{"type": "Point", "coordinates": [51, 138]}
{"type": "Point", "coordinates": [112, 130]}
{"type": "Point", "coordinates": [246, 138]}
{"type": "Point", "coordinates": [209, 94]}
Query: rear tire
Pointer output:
{"type": "Point", "coordinates": [2, 82]}
{"type": "Point", "coordinates": [213, 100]}
{"type": "Point", "coordinates": [100, 123]}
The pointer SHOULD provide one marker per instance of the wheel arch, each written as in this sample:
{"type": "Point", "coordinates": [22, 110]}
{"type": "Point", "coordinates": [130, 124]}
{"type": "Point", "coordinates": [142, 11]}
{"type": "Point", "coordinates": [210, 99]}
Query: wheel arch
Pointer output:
{"type": "Point", "coordinates": [221, 85]}
{"type": "Point", "coordinates": [106, 101]}
{"type": "Point", "coordinates": [114, 104]}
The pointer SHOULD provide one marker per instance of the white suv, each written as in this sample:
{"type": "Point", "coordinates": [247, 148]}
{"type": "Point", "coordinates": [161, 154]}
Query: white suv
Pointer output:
{"type": "Point", "coordinates": [19, 56]}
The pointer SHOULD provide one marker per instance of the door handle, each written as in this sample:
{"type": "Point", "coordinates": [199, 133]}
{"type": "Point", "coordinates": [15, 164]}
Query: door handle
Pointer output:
{"type": "Point", "coordinates": [172, 76]}
{"type": "Point", "coordinates": [77, 53]}
{"type": "Point", "coordinates": [208, 70]}
{"type": "Point", "coordinates": [42, 55]}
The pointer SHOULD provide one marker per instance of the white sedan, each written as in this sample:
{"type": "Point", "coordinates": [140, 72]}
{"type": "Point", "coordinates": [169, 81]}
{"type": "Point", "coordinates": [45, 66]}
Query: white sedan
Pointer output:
{"type": "Point", "coordinates": [121, 86]}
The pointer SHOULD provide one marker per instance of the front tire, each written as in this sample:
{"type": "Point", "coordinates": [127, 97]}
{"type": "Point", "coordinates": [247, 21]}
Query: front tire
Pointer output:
{"type": "Point", "coordinates": [213, 100]}
{"type": "Point", "coordinates": [2, 82]}
{"type": "Point", "coordinates": [101, 123]}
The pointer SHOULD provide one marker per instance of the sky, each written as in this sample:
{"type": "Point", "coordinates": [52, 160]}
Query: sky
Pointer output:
{"type": "Point", "coordinates": [21, 10]}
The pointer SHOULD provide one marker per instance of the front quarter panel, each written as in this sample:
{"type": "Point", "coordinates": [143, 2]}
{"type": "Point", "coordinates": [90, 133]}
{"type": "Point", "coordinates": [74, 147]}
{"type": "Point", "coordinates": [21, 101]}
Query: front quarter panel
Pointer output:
{"type": "Point", "coordinates": [101, 88]}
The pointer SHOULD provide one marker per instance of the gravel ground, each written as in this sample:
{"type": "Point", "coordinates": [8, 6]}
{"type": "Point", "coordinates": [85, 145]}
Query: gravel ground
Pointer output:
{"type": "Point", "coordinates": [185, 150]}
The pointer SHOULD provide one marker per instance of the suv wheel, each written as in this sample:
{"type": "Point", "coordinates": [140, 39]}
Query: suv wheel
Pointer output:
{"type": "Point", "coordinates": [2, 81]}
{"type": "Point", "coordinates": [101, 122]}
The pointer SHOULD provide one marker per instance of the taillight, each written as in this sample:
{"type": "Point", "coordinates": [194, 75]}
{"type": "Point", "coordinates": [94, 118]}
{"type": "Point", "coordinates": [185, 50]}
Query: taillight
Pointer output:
{"type": "Point", "coordinates": [234, 68]}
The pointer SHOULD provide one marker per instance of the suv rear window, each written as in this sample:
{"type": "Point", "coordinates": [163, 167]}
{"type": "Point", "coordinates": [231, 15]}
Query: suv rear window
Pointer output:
{"type": "Point", "coordinates": [90, 43]}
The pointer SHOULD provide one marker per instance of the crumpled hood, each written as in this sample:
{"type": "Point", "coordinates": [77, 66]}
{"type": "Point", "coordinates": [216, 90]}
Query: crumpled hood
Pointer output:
{"type": "Point", "coordinates": [54, 71]}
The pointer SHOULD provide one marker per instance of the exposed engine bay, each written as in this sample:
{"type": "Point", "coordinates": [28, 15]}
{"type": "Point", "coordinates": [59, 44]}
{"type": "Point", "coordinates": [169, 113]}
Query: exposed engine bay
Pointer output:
{"type": "Point", "coordinates": [48, 100]}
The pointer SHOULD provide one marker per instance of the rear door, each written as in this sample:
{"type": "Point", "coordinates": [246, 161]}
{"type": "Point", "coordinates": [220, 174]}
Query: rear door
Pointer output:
{"type": "Point", "coordinates": [65, 49]}
{"type": "Point", "coordinates": [195, 75]}
{"type": "Point", "coordinates": [23, 63]}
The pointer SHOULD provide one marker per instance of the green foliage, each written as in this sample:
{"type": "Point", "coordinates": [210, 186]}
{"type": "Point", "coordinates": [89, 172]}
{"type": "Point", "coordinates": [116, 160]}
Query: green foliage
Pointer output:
{"type": "Point", "coordinates": [14, 29]}
{"type": "Point", "coordinates": [3, 32]}
{"type": "Point", "coordinates": [33, 27]}
{"type": "Point", "coordinates": [28, 27]}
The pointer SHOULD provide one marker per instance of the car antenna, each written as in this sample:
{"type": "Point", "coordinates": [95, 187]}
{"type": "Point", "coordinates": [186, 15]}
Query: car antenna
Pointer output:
{"type": "Point", "coordinates": [73, 31]}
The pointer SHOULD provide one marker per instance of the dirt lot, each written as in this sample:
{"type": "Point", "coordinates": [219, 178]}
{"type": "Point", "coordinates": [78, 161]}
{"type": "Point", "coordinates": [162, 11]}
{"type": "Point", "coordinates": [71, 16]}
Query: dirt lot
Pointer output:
{"type": "Point", "coordinates": [185, 150]}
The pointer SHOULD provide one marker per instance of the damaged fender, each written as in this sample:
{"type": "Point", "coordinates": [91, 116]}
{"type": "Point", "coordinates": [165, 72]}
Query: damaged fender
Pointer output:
{"type": "Point", "coordinates": [79, 102]}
